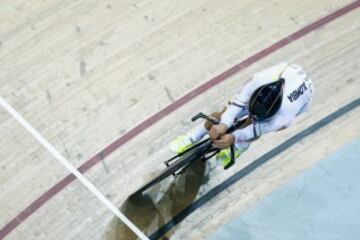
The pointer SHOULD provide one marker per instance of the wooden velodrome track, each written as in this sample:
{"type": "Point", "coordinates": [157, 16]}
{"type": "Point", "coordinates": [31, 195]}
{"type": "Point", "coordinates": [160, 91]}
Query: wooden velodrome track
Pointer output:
{"type": "Point", "coordinates": [85, 73]}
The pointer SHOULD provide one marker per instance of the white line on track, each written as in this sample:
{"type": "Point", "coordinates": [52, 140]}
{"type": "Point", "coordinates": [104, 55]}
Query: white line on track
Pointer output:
{"type": "Point", "coordinates": [71, 168]}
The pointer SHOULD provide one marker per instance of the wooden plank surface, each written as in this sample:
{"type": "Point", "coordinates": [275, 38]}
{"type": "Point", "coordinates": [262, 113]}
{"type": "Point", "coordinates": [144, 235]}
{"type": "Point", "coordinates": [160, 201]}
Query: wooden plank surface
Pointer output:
{"type": "Point", "coordinates": [86, 72]}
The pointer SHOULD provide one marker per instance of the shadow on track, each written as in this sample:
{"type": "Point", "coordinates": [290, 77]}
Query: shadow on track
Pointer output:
{"type": "Point", "coordinates": [159, 205]}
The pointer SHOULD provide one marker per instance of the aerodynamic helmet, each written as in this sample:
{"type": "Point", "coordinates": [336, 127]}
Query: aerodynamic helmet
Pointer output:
{"type": "Point", "coordinates": [266, 101]}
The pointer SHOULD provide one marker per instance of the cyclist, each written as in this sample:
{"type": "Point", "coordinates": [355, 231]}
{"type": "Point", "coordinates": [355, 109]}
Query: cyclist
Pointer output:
{"type": "Point", "coordinates": [271, 99]}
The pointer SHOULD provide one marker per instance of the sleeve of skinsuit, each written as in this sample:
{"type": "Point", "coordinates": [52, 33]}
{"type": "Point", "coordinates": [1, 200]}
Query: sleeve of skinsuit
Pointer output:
{"type": "Point", "coordinates": [230, 113]}
{"type": "Point", "coordinates": [238, 104]}
{"type": "Point", "coordinates": [255, 130]}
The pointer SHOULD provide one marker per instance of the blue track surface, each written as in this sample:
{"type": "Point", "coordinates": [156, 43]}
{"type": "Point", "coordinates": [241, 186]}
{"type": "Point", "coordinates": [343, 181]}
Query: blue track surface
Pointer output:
{"type": "Point", "coordinates": [321, 203]}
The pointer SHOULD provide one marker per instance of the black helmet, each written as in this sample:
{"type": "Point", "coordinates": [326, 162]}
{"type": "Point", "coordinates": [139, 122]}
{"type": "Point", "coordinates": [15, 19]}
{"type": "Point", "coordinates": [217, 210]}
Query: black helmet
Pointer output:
{"type": "Point", "coordinates": [266, 100]}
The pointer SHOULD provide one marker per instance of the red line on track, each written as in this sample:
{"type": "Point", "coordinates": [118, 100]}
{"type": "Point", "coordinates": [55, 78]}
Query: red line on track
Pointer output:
{"type": "Point", "coordinates": [169, 109]}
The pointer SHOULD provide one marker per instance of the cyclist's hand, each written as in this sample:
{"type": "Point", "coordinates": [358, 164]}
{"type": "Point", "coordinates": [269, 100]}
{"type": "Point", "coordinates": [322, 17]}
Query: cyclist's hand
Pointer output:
{"type": "Point", "coordinates": [225, 141]}
{"type": "Point", "coordinates": [216, 131]}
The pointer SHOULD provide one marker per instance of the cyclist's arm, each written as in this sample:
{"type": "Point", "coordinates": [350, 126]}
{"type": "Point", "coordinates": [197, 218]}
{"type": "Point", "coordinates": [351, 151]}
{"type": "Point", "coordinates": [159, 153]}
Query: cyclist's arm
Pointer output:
{"type": "Point", "coordinates": [255, 130]}
{"type": "Point", "coordinates": [230, 114]}
{"type": "Point", "coordinates": [237, 107]}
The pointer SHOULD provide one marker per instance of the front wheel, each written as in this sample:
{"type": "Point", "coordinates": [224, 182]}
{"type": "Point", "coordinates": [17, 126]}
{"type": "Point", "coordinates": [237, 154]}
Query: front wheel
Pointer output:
{"type": "Point", "coordinates": [184, 161]}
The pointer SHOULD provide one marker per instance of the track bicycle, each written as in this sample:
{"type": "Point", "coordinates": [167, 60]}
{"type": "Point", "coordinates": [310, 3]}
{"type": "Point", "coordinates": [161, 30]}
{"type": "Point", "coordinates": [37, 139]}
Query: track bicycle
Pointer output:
{"type": "Point", "coordinates": [201, 151]}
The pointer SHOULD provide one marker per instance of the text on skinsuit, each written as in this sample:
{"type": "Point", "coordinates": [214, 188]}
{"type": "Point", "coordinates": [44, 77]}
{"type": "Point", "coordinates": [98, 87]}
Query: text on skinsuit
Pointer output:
{"type": "Point", "coordinates": [297, 92]}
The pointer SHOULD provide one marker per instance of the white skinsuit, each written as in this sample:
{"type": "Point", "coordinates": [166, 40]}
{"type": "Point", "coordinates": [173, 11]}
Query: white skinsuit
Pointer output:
{"type": "Point", "coordinates": [297, 94]}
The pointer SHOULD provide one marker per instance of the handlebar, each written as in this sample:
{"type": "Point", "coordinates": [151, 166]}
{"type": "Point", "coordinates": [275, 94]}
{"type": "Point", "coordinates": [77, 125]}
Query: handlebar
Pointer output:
{"type": "Point", "coordinates": [206, 117]}
{"type": "Point", "coordinates": [231, 129]}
